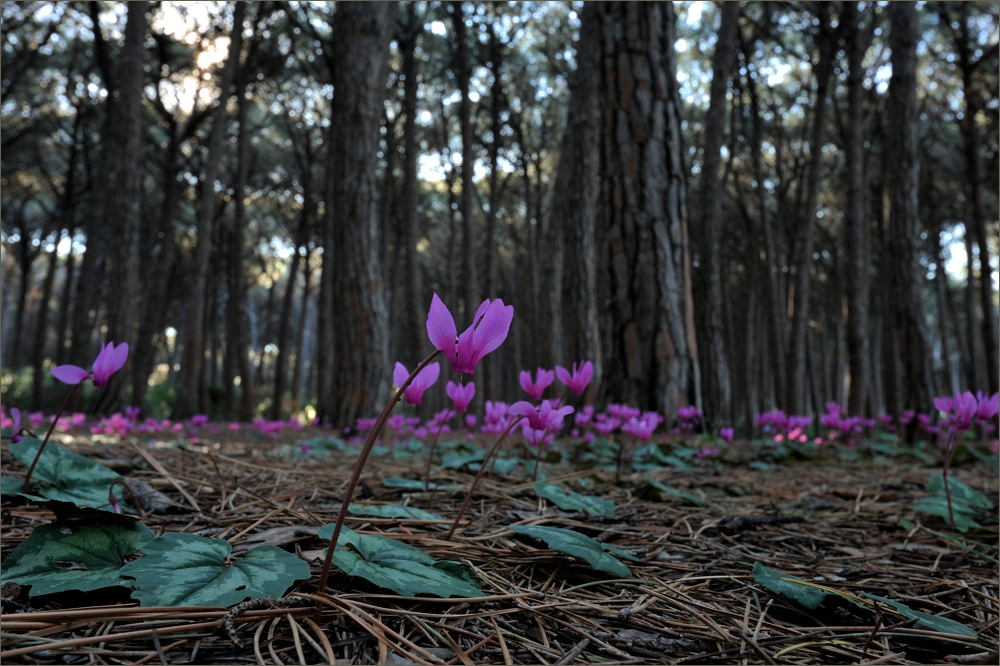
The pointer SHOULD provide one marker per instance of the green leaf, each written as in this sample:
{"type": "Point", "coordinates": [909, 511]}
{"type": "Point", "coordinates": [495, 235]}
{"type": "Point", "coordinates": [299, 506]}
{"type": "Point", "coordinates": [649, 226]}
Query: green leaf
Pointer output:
{"type": "Point", "coordinates": [676, 493]}
{"type": "Point", "coordinates": [933, 622]}
{"type": "Point", "coordinates": [181, 569]}
{"type": "Point", "coordinates": [73, 478]}
{"type": "Point", "coordinates": [79, 555]}
{"type": "Point", "coordinates": [10, 485]}
{"type": "Point", "coordinates": [398, 566]}
{"type": "Point", "coordinates": [392, 511]}
{"type": "Point", "coordinates": [578, 545]}
{"type": "Point", "coordinates": [573, 501]}
{"type": "Point", "coordinates": [414, 484]}
{"type": "Point", "coordinates": [458, 460]}
{"type": "Point", "coordinates": [779, 583]}
{"type": "Point", "coordinates": [938, 506]}
{"type": "Point", "coordinates": [959, 492]}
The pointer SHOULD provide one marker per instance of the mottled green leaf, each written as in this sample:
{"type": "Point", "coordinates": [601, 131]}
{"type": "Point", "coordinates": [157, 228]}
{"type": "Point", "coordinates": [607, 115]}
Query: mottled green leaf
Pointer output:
{"type": "Point", "coordinates": [414, 484]}
{"type": "Point", "coordinates": [960, 492]}
{"type": "Point", "coordinates": [938, 506]}
{"type": "Point", "coordinates": [573, 501]}
{"type": "Point", "coordinates": [398, 566]}
{"type": "Point", "coordinates": [180, 569]}
{"type": "Point", "coordinates": [392, 511]}
{"type": "Point", "coordinates": [71, 477]}
{"type": "Point", "coordinates": [580, 546]}
{"type": "Point", "coordinates": [663, 488]}
{"type": "Point", "coordinates": [75, 555]}
{"type": "Point", "coordinates": [779, 583]}
{"type": "Point", "coordinates": [933, 622]}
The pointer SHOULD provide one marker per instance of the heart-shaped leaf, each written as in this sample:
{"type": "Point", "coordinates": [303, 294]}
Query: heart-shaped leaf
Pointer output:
{"type": "Point", "coordinates": [775, 581]}
{"type": "Point", "coordinates": [398, 566]}
{"type": "Point", "coordinates": [180, 569]}
{"type": "Point", "coordinates": [75, 555]}
{"type": "Point", "coordinates": [960, 492]}
{"type": "Point", "coordinates": [73, 478]}
{"type": "Point", "coordinates": [569, 500]}
{"type": "Point", "coordinates": [594, 553]}
{"type": "Point", "coordinates": [413, 484]}
{"type": "Point", "coordinates": [392, 511]}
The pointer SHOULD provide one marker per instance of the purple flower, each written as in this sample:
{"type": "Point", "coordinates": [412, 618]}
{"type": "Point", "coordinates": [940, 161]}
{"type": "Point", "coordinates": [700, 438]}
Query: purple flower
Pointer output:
{"type": "Point", "coordinates": [960, 409]}
{"type": "Point", "coordinates": [488, 331]}
{"type": "Point", "coordinates": [414, 393]}
{"type": "Point", "coordinates": [642, 427]}
{"type": "Point", "coordinates": [110, 360]}
{"type": "Point", "coordinates": [726, 435]}
{"type": "Point", "coordinates": [536, 389]}
{"type": "Point", "coordinates": [16, 415]}
{"type": "Point", "coordinates": [199, 420]}
{"type": "Point", "coordinates": [577, 380]}
{"type": "Point", "coordinates": [988, 408]}
{"type": "Point", "coordinates": [470, 420]}
{"type": "Point", "coordinates": [540, 417]}
{"type": "Point", "coordinates": [461, 395]}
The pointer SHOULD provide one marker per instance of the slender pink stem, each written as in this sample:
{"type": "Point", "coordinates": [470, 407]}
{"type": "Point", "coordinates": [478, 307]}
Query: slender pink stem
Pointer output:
{"type": "Point", "coordinates": [362, 459]}
{"type": "Point", "coordinates": [948, 453]}
{"type": "Point", "coordinates": [31, 469]}
{"type": "Point", "coordinates": [479, 475]}
{"type": "Point", "coordinates": [430, 458]}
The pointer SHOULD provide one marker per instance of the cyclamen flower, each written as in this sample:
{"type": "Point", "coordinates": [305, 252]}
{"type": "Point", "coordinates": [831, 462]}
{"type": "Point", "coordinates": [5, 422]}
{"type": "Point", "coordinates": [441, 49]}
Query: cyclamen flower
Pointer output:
{"type": "Point", "coordinates": [961, 409]}
{"type": "Point", "coordinates": [642, 427]}
{"type": "Point", "coordinates": [16, 415]}
{"type": "Point", "coordinates": [414, 393]}
{"type": "Point", "coordinates": [989, 407]}
{"type": "Point", "coordinates": [536, 389]}
{"type": "Point", "coordinates": [461, 395]}
{"type": "Point", "coordinates": [109, 361]}
{"type": "Point", "coordinates": [541, 417]}
{"type": "Point", "coordinates": [488, 331]}
{"type": "Point", "coordinates": [577, 380]}
{"type": "Point", "coordinates": [726, 435]}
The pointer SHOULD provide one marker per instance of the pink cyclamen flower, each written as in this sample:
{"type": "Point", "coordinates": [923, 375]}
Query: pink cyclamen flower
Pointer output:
{"type": "Point", "coordinates": [488, 330]}
{"type": "Point", "coordinates": [961, 409]}
{"type": "Point", "coordinates": [109, 361]}
{"type": "Point", "coordinates": [541, 417]}
{"type": "Point", "coordinates": [577, 380]}
{"type": "Point", "coordinates": [16, 415]}
{"type": "Point", "coordinates": [726, 435]}
{"type": "Point", "coordinates": [537, 388]}
{"type": "Point", "coordinates": [414, 393]}
{"type": "Point", "coordinates": [461, 395]}
{"type": "Point", "coordinates": [989, 407]}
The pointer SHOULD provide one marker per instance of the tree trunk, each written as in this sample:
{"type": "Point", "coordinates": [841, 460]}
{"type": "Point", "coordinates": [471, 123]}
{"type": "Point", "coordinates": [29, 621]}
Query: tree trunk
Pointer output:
{"type": "Point", "coordinates": [41, 328]}
{"type": "Point", "coordinates": [188, 387]}
{"type": "Point", "coordinates": [826, 44]}
{"type": "Point", "coordinates": [857, 236]}
{"type": "Point", "coordinates": [285, 322]}
{"type": "Point", "coordinates": [360, 381]}
{"type": "Point", "coordinates": [574, 201]}
{"type": "Point", "coordinates": [649, 360]}
{"type": "Point", "coordinates": [123, 141]}
{"type": "Point", "coordinates": [463, 68]}
{"type": "Point", "coordinates": [415, 303]}
{"type": "Point", "coordinates": [65, 303]}
{"type": "Point", "coordinates": [900, 197]}
{"type": "Point", "coordinates": [715, 361]}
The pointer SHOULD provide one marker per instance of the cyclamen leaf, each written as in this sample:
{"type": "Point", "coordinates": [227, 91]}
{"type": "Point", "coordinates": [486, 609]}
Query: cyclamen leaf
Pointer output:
{"type": "Point", "coordinates": [398, 566]}
{"type": "Point", "coordinates": [581, 546]}
{"type": "Point", "coordinates": [392, 511]}
{"type": "Point", "coordinates": [938, 506]}
{"type": "Point", "coordinates": [79, 555]}
{"type": "Point", "coordinates": [777, 582]}
{"type": "Point", "coordinates": [181, 569]}
{"type": "Point", "coordinates": [73, 478]}
{"type": "Point", "coordinates": [659, 487]}
{"type": "Point", "coordinates": [573, 501]}
{"type": "Point", "coordinates": [933, 622]}
{"type": "Point", "coordinates": [960, 492]}
{"type": "Point", "coordinates": [412, 484]}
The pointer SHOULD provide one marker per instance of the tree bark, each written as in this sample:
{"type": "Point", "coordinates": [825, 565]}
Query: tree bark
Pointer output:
{"type": "Point", "coordinates": [649, 361]}
{"type": "Point", "coordinates": [900, 197]}
{"type": "Point", "coordinates": [463, 68]}
{"type": "Point", "coordinates": [415, 304]}
{"type": "Point", "coordinates": [192, 362]}
{"type": "Point", "coordinates": [360, 381]}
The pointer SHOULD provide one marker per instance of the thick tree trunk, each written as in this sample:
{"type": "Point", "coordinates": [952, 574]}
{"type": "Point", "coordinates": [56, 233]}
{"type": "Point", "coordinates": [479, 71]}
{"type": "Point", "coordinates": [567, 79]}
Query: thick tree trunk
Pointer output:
{"type": "Point", "coordinates": [900, 198]}
{"type": "Point", "coordinates": [236, 312]}
{"type": "Point", "coordinates": [191, 374]}
{"type": "Point", "coordinates": [857, 236]}
{"type": "Point", "coordinates": [360, 381]}
{"type": "Point", "coordinates": [414, 347]}
{"type": "Point", "coordinates": [41, 328]}
{"type": "Point", "coordinates": [574, 202]}
{"type": "Point", "coordinates": [123, 140]}
{"type": "Point", "coordinates": [715, 361]}
{"type": "Point", "coordinates": [649, 360]}
{"type": "Point", "coordinates": [463, 67]}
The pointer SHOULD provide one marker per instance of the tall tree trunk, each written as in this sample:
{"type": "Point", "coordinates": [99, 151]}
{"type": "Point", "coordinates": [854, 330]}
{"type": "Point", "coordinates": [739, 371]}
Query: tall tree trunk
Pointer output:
{"type": "Point", "coordinates": [715, 361]}
{"type": "Point", "coordinates": [649, 360]}
{"type": "Point", "coordinates": [41, 328]}
{"type": "Point", "coordinates": [360, 381]}
{"type": "Point", "coordinates": [124, 143]}
{"type": "Point", "coordinates": [188, 387]}
{"type": "Point", "coordinates": [285, 322]}
{"type": "Point", "coordinates": [300, 344]}
{"type": "Point", "coordinates": [574, 201]}
{"type": "Point", "coordinates": [900, 197]}
{"type": "Point", "coordinates": [857, 236]}
{"type": "Point", "coordinates": [826, 44]}
{"type": "Point", "coordinates": [463, 68]}
{"type": "Point", "coordinates": [415, 304]}
{"type": "Point", "coordinates": [65, 304]}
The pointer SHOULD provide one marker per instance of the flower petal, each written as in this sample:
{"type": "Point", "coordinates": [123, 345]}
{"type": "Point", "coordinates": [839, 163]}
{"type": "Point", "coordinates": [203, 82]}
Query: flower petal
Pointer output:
{"type": "Point", "coordinates": [493, 328]}
{"type": "Point", "coordinates": [399, 374]}
{"type": "Point", "coordinates": [70, 374]}
{"type": "Point", "coordinates": [441, 327]}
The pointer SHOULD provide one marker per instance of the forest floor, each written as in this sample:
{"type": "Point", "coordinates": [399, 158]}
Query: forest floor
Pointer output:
{"type": "Point", "coordinates": [692, 596]}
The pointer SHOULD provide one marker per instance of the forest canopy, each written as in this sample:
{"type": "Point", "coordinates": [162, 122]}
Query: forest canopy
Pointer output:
{"type": "Point", "coordinates": [741, 206]}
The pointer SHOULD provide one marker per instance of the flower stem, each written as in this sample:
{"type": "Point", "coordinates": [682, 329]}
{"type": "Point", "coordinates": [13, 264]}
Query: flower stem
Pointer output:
{"type": "Point", "coordinates": [31, 469]}
{"type": "Point", "coordinates": [948, 453]}
{"type": "Point", "coordinates": [430, 458]}
{"type": "Point", "coordinates": [365, 452]}
{"type": "Point", "coordinates": [479, 475]}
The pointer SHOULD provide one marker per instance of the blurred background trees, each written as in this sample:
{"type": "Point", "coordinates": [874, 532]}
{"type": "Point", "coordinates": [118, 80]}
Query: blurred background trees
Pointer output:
{"type": "Point", "coordinates": [738, 206]}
